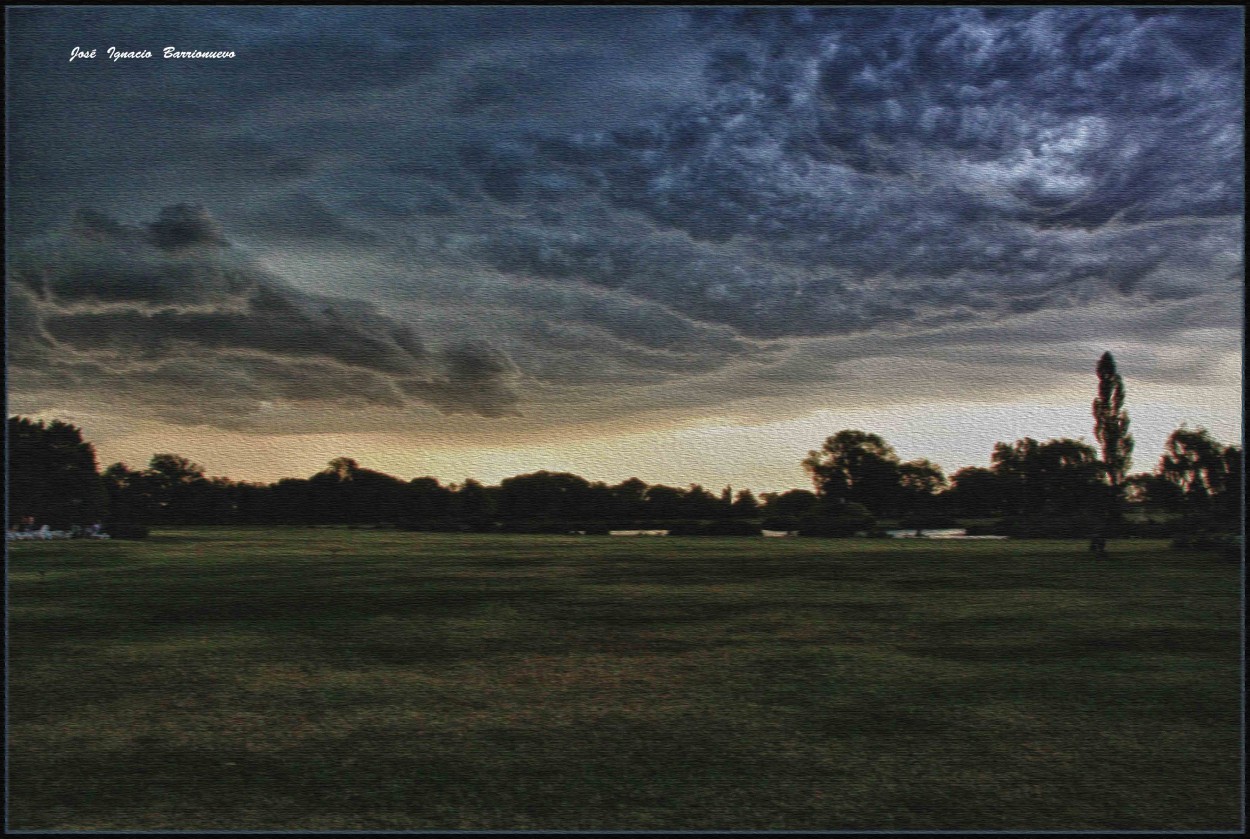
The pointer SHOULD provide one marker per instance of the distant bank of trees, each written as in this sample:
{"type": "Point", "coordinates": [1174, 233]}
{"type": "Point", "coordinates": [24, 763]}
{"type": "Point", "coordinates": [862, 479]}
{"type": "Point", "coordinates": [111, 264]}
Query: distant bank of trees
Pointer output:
{"type": "Point", "coordinates": [1056, 487]}
{"type": "Point", "coordinates": [173, 490]}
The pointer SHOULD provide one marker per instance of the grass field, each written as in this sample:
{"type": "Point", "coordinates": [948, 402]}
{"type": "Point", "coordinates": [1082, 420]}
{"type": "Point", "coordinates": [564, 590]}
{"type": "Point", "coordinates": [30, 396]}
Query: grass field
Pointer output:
{"type": "Point", "coordinates": [334, 679]}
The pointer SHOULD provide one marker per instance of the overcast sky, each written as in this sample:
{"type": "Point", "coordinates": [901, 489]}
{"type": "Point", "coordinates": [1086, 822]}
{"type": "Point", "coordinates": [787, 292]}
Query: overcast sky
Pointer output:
{"type": "Point", "coordinates": [682, 244]}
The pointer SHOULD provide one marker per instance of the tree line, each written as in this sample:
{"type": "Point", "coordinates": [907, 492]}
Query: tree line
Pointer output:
{"type": "Point", "coordinates": [1056, 487]}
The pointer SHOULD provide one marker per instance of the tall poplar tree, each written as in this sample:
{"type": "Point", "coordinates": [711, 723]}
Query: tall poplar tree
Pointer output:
{"type": "Point", "coordinates": [1111, 423]}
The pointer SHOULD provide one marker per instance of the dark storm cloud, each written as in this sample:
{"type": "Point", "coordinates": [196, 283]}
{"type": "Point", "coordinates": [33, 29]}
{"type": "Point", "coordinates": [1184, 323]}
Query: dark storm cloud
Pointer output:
{"type": "Point", "coordinates": [151, 310]}
{"type": "Point", "coordinates": [848, 171]}
{"type": "Point", "coordinates": [655, 205]}
{"type": "Point", "coordinates": [923, 143]}
{"type": "Point", "coordinates": [184, 226]}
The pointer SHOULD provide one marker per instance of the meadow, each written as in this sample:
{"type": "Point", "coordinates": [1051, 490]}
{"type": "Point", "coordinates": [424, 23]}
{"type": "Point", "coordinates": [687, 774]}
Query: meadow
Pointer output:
{"type": "Point", "coordinates": [334, 679]}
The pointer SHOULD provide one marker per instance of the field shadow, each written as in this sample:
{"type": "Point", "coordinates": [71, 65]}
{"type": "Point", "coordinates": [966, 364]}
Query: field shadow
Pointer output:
{"type": "Point", "coordinates": [1092, 645]}
{"type": "Point", "coordinates": [678, 572]}
{"type": "Point", "coordinates": [972, 582]}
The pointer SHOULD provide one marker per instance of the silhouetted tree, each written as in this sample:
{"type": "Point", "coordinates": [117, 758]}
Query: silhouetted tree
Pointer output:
{"type": "Point", "coordinates": [791, 503]}
{"type": "Point", "coordinates": [744, 505]}
{"type": "Point", "coordinates": [179, 490]}
{"type": "Point", "coordinates": [130, 502]}
{"type": "Point", "coordinates": [920, 483]}
{"type": "Point", "coordinates": [1055, 478]}
{"type": "Point", "coordinates": [664, 502]}
{"type": "Point", "coordinates": [473, 506]}
{"type": "Point", "coordinates": [1231, 501]}
{"type": "Point", "coordinates": [1111, 422]}
{"type": "Point", "coordinates": [629, 498]}
{"type": "Point", "coordinates": [549, 496]}
{"type": "Point", "coordinates": [976, 491]}
{"type": "Point", "coordinates": [1111, 431]}
{"type": "Point", "coordinates": [837, 518]}
{"type": "Point", "coordinates": [698, 503]}
{"type": "Point", "coordinates": [1193, 462]}
{"type": "Point", "coordinates": [346, 492]}
{"type": "Point", "coordinates": [1204, 476]}
{"type": "Point", "coordinates": [429, 505]}
{"type": "Point", "coordinates": [252, 502]}
{"type": "Point", "coordinates": [171, 470]}
{"type": "Point", "coordinates": [856, 467]}
{"type": "Point", "coordinates": [291, 502]}
{"type": "Point", "coordinates": [52, 474]}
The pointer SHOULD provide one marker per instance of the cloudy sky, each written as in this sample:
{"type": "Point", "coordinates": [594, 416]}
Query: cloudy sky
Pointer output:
{"type": "Point", "coordinates": [682, 244]}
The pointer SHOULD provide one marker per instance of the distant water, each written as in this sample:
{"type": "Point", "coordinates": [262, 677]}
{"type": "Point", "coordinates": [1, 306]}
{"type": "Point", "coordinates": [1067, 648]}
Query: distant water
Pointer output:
{"type": "Point", "coordinates": [939, 533]}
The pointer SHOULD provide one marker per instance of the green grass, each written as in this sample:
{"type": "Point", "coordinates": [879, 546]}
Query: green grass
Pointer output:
{"type": "Point", "coordinates": [333, 679]}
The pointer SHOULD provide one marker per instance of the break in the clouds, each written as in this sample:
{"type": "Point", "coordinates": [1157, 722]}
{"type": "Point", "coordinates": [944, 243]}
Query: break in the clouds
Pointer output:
{"type": "Point", "coordinates": [536, 217]}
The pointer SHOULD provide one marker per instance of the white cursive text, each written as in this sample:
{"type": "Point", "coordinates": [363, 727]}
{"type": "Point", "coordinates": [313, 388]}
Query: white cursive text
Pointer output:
{"type": "Point", "coordinates": [170, 52]}
{"type": "Point", "coordinates": [115, 53]}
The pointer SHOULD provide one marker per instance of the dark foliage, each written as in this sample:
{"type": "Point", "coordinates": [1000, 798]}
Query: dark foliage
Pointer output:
{"type": "Point", "coordinates": [1111, 423]}
{"type": "Point", "coordinates": [860, 468]}
{"type": "Point", "coordinates": [837, 519]}
{"type": "Point", "coordinates": [53, 477]}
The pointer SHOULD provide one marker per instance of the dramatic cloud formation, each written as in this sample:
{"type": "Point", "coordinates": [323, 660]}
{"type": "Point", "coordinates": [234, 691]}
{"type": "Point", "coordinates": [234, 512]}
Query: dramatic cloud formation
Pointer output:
{"type": "Point", "coordinates": [617, 218]}
{"type": "Point", "coordinates": [157, 313]}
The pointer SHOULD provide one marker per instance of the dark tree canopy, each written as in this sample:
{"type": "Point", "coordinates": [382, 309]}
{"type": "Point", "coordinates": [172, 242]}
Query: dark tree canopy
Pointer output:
{"type": "Point", "coordinates": [53, 475]}
{"type": "Point", "coordinates": [1056, 478]}
{"type": "Point", "coordinates": [856, 467]}
{"type": "Point", "coordinates": [745, 504]}
{"type": "Point", "coordinates": [544, 495]}
{"type": "Point", "coordinates": [791, 503]}
{"type": "Point", "coordinates": [977, 491]}
{"type": "Point", "coordinates": [1198, 468]}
